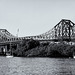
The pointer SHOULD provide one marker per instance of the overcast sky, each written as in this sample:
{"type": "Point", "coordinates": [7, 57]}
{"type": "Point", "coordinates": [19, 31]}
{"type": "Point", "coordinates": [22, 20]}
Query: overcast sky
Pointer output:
{"type": "Point", "coordinates": [34, 17]}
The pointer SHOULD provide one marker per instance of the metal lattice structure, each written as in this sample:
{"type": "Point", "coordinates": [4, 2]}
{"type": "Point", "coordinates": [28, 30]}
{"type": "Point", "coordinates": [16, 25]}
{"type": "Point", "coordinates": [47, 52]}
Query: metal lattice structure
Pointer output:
{"type": "Point", "coordinates": [64, 30]}
{"type": "Point", "coordinates": [4, 35]}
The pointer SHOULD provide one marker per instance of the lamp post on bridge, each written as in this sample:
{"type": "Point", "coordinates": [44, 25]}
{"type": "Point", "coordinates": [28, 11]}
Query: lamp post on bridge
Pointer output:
{"type": "Point", "coordinates": [17, 32]}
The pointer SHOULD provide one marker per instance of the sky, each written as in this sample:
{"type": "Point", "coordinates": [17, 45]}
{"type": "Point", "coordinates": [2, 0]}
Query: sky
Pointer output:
{"type": "Point", "coordinates": [34, 17]}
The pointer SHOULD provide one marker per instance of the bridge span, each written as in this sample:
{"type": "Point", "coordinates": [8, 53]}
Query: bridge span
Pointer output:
{"type": "Point", "coordinates": [64, 30]}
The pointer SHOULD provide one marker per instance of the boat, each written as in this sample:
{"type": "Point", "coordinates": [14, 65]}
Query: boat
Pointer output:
{"type": "Point", "coordinates": [8, 55]}
{"type": "Point", "coordinates": [74, 56]}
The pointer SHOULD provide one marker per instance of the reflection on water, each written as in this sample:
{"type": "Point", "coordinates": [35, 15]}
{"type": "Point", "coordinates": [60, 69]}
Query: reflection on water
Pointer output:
{"type": "Point", "coordinates": [36, 66]}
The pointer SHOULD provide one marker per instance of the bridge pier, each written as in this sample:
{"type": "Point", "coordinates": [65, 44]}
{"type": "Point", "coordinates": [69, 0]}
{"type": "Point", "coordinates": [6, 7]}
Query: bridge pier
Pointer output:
{"type": "Point", "coordinates": [3, 50]}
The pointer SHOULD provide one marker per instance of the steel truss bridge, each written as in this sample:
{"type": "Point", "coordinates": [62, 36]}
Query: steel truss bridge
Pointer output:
{"type": "Point", "coordinates": [63, 31]}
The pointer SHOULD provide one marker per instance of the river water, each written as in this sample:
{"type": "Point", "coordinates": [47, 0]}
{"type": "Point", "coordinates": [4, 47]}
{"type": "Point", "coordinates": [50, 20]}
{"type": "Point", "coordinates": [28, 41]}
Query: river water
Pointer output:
{"type": "Point", "coordinates": [37, 66]}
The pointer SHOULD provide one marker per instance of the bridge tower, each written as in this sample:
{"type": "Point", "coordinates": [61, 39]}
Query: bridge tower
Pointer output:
{"type": "Point", "coordinates": [65, 30]}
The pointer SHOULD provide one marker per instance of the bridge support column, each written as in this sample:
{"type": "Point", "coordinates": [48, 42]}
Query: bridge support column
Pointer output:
{"type": "Point", "coordinates": [17, 46]}
{"type": "Point", "coordinates": [3, 50]}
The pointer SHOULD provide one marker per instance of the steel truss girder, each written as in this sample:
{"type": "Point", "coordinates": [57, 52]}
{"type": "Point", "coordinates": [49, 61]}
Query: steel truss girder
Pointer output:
{"type": "Point", "coordinates": [65, 29]}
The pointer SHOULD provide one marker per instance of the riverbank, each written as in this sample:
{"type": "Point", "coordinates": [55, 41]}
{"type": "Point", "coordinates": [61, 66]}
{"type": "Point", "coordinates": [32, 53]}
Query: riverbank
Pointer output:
{"type": "Point", "coordinates": [32, 48]}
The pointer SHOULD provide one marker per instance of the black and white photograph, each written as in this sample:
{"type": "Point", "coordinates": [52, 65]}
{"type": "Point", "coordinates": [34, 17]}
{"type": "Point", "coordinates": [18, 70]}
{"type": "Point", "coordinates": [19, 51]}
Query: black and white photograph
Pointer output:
{"type": "Point", "coordinates": [37, 37]}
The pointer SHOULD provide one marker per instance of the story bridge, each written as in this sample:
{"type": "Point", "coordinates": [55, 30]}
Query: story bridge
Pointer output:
{"type": "Point", "coordinates": [63, 31]}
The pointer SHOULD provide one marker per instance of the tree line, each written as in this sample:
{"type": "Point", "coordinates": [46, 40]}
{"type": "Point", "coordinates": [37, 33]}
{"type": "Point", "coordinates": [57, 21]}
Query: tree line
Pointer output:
{"type": "Point", "coordinates": [33, 48]}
